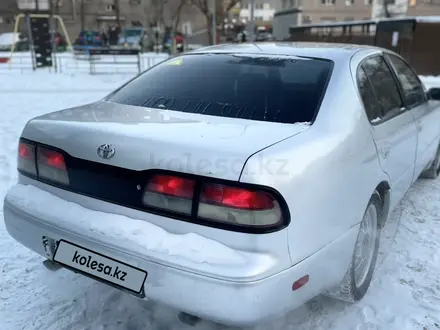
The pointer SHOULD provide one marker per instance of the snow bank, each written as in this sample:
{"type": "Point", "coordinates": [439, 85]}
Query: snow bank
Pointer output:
{"type": "Point", "coordinates": [7, 39]}
{"type": "Point", "coordinates": [430, 81]}
{"type": "Point", "coordinates": [142, 234]}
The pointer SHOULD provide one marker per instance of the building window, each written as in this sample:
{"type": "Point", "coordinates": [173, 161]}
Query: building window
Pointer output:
{"type": "Point", "coordinates": [259, 6]}
{"type": "Point", "coordinates": [244, 5]}
{"type": "Point", "coordinates": [328, 2]}
{"type": "Point", "coordinates": [306, 19]}
{"type": "Point", "coordinates": [368, 2]}
{"type": "Point", "coordinates": [349, 2]}
{"type": "Point", "coordinates": [110, 7]}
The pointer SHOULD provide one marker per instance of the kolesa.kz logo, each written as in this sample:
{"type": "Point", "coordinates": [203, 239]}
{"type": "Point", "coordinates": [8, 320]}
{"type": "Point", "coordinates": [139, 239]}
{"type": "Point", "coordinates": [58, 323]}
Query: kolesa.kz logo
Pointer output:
{"type": "Point", "coordinates": [99, 267]}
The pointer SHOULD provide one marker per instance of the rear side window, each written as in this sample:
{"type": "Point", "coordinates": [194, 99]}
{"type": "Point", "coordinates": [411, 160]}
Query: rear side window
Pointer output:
{"type": "Point", "coordinates": [384, 86]}
{"type": "Point", "coordinates": [267, 88]}
{"type": "Point", "coordinates": [371, 105]}
{"type": "Point", "coordinates": [413, 90]}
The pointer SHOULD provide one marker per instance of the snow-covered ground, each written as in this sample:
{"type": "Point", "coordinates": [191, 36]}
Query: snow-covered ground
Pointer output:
{"type": "Point", "coordinates": [405, 292]}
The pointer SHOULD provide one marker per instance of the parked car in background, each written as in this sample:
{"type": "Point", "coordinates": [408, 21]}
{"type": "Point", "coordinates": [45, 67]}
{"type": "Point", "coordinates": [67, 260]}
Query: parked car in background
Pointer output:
{"type": "Point", "coordinates": [237, 197]}
{"type": "Point", "coordinates": [87, 39]}
{"type": "Point", "coordinates": [132, 37]}
{"type": "Point", "coordinates": [264, 36]}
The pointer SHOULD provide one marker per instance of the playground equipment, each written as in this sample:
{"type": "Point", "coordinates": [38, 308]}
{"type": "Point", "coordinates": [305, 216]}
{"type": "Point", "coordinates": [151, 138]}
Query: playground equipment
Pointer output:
{"type": "Point", "coordinates": [40, 25]}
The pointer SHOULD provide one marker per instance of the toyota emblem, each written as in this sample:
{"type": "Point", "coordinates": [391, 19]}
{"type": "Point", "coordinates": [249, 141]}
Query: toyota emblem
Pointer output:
{"type": "Point", "coordinates": [106, 151]}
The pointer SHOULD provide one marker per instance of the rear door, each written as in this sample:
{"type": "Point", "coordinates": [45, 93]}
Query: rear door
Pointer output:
{"type": "Point", "coordinates": [392, 126]}
{"type": "Point", "coordinates": [416, 101]}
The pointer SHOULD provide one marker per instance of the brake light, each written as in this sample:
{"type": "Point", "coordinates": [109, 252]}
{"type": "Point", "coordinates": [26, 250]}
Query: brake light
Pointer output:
{"type": "Point", "coordinates": [239, 206]}
{"type": "Point", "coordinates": [171, 193]}
{"type": "Point", "coordinates": [51, 166]}
{"type": "Point", "coordinates": [171, 185]}
{"type": "Point", "coordinates": [236, 197]}
{"type": "Point", "coordinates": [216, 202]}
{"type": "Point", "coordinates": [26, 158]}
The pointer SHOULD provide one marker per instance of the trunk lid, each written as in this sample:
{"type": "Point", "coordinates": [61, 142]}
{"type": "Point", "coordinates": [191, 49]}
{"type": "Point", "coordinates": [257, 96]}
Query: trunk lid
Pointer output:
{"type": "Point", "coordinates": [146, 138]}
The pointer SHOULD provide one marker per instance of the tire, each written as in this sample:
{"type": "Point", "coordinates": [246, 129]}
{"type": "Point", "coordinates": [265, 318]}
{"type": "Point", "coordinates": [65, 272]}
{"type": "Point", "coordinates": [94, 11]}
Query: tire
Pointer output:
{"type": "Point", "coordinates": [355, 284]}
{"type": "Point", "coordinates": [433, 171]}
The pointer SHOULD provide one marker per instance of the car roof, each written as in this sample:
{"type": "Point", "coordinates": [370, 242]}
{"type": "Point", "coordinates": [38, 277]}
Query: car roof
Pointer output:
{"type": "Point", "coordinates": [332, 51]}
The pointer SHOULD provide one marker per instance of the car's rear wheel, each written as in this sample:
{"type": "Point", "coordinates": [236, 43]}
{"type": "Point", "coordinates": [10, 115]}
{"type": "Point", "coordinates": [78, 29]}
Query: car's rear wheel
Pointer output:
{"type": "Point", "coordinates": [358, 277]}
{"type": "Point", "coordinates": [434, 170]}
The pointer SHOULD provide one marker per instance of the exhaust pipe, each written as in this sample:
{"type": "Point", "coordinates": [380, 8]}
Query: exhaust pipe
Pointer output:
{"type": "Point", "coordinates": [52, 266]}
{"type": "Point", "coordinates": [188, 319]}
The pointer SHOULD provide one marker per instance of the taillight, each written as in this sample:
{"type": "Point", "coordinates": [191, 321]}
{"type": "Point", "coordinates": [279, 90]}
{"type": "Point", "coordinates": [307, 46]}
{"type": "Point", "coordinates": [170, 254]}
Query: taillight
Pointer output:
{"type": "Point", "coordinates": [236, 197]}
{"type": "Point", "coordinates": [26, 158]}
{"type": "Point", "coordinates": [239, 206]}
{"type": "Point", "coordinates": [51, 166]}
{"type": "Point", "coordinates": [171, 193]}
{"type": "Point", "coordinates": [221, 203]}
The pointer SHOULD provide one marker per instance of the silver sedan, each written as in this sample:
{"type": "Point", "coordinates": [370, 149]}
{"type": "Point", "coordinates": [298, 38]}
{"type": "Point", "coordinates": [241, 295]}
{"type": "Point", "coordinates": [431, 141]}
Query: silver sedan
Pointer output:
{"type": "Point", "coordinates": [233, 183]}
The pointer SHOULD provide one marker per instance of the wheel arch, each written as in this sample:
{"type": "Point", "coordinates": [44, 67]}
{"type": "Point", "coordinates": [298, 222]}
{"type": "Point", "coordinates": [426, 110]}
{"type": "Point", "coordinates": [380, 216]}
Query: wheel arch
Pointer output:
{"type": "Point", "coordinates": [384, 190]}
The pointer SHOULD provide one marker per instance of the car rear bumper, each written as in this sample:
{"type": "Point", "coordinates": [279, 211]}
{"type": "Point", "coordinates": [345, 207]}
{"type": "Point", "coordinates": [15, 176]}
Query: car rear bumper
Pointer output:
{"type": "Point", "coordinates": [237, 302]}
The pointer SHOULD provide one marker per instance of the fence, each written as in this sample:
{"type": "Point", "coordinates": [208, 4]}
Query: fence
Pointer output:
{"type": "Point", "coordinates": [67, 62]}
{"type": "Point", "coordinates": [414, 38]}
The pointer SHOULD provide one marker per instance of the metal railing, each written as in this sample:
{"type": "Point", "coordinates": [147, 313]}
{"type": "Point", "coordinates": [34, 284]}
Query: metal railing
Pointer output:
{"type": "Point", "coordinates": [67, 62]}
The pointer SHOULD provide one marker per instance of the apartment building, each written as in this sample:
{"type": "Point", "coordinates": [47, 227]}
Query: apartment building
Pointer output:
{"type": "Point", "coordinates": [423, 8]}
{"type": "Point", "coordinates": [326, 11]}
{"type": "Point", "coordinates": [300, 12]}
{"type": "Point", "coordinates": [99, 14]}
{"type": "Point", "coordinates": [263, 10]}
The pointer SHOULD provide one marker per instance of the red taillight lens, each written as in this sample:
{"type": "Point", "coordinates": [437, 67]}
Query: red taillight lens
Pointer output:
{"type": "Point", "coordinates": [51, 166]}
{"type": "Point", "coordinates": [26, 158]}
{"type": "Point", "coordinates": [171, 193]}
{"type": "Point", "coordinates": [222, 203]}
{"type": "Point", "coordinates": [51, 158]}
{"type": "Point", "coordinates": [26, 151]}
{"type": "Point", "coordinates": [239, 206]}
{"type": "Point", "coordinates": [171, 185]}
{"type": "Point", "coordinates": [236, 197]}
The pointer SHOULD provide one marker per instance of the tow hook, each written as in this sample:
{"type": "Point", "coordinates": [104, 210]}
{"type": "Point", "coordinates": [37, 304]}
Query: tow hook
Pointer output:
{"type": "Point", "coordinates": [188, 319]}
{"type": "Point", "coordinates": [49, 246]}
{"type": "Point", "coordinates": [52, 266]}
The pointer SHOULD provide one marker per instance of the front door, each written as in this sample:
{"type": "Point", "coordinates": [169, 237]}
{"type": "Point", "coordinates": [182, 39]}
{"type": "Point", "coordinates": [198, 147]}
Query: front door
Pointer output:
{"type": "Point", "coordinates": [427, 120]}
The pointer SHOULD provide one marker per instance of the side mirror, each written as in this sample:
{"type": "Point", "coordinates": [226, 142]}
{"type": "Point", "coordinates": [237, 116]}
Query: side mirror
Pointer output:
{"type": "Point", "coordinates": [434, 93]}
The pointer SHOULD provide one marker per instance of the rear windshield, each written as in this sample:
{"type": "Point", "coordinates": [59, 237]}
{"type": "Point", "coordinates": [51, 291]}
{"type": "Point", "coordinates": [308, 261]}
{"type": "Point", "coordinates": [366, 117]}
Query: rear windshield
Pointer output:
{"type": "Point", "coordinates": [280, 89]}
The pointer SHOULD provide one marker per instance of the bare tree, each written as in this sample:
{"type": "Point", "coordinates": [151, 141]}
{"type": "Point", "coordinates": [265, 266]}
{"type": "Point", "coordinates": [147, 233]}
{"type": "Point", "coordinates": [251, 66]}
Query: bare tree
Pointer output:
{"type": "Point", "coordinates": [222, 7]}
{"type": "Point", "coordinates": [175, 14]}
{"type": "Point", "coordinates": [117, 13]}
{"type": "Point", "coordinates": [82, 14]}
{"type": "Point", "coordinates": [55, 6]}
{"type": "Point", "coordinates": [156, 12]}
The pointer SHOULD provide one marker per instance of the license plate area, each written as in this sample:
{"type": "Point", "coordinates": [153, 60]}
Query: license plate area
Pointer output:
{"type": "Point", "coordinates": [100, 267]}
